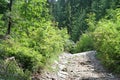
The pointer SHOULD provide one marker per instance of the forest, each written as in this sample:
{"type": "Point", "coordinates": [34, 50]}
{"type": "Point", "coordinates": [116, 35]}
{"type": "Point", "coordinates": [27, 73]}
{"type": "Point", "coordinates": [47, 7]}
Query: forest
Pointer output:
{"type": "Point", "coordinates": [33, 33]}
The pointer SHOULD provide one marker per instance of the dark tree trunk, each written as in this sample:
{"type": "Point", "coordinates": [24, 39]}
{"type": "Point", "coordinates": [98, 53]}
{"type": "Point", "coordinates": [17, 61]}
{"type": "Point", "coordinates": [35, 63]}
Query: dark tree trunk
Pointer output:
{"type": "Point", "coordinates": [10, 20]}
{"type": "Point", "coordinates": [9, 26]}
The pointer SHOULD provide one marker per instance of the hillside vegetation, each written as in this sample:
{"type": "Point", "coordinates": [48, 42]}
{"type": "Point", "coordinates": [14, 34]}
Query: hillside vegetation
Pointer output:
{"type": "Point", "coordinates": [34, 32]}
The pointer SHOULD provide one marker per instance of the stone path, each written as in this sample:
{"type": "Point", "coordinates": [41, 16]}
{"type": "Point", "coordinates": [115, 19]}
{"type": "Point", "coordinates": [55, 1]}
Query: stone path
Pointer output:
{"type": "Point", "coordinates": [80, 66]}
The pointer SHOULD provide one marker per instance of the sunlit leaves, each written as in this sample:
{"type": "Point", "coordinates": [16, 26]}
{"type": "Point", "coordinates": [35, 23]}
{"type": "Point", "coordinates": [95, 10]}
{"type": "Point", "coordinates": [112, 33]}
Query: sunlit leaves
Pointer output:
{"type": "Point", "coordinates": [107, 40]}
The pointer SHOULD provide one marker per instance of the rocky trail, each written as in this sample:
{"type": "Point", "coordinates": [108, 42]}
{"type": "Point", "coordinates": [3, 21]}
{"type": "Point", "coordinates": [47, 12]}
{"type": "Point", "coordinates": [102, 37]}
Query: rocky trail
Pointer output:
{"type": "Point", "coordinates": [80, 66]}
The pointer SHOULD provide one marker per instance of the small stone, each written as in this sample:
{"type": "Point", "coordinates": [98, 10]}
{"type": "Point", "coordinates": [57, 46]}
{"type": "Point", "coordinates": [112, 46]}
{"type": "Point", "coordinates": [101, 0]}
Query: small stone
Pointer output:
{"type": "Point", "coordinates": [110, 75]}
{"type": "Point", "coordinates": [82, 63]}
{"type": "Point", "coordinates": [88, 61]}
{"type": "Point", "coordinates": [53, 78]}
{"type": "Point", "coordinates": [86, 79]}
{"type": "Point", "coordinates": [65, 69]}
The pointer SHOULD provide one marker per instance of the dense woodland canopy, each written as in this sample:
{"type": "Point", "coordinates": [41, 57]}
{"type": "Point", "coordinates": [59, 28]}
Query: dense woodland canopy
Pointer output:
{"type": "Point", "coordinates": [35, 32]}
{"type": "Point", "coordinates": [73, 13]}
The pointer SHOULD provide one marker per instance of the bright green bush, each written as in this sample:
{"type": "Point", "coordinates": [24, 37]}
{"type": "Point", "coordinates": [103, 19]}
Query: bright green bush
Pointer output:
{"type": "Point", "coordinates": [85, 43]}
{"type": "Point", "coordinates": [107, 42]}
{"type": "Point", "coordinates": [38, 50]}
{"type": "Point", "coordinates": [10, 70]}
{"type": "Point", "coordinates": [34, 42]}
{"type": "Point", "coordinates": [103, 36]}
{"type": "Point", "coordinates": [49, 41]}
{"type": "Point", "coordinates": [27, 57]}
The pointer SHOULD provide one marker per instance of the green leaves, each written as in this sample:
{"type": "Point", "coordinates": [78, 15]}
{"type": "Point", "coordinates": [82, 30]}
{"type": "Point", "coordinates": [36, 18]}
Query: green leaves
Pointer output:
{"type": "Point", "coordinates": [3, 6]}
{"type": "Point", "coordinates": [34, 41]}
{"type": "Point", "coordinates": [103, 36]}
{"type": "Point", "coordinates": [49, 40]}
{"type": "Point", "coordinates": [85, 43]}
{"type": "Point", "coordinates": [107, 39]}
{"type": "Point", "coordinates": [10, 70]}
{"type": "Point", "coordinates": [72, 14]}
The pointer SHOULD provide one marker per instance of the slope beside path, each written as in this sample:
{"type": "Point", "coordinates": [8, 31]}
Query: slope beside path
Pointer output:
{"type": "Point", "coordinates": [80, 66]}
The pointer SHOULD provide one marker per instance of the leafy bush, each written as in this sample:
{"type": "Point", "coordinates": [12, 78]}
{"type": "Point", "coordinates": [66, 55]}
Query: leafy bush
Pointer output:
{"type": "Point", "coordinates": [9, 70]}
{"type": "Point", "coordinates": [37, 51]}
{"type": "Point", "coordinates": [103, 36]}
{"type": "Point", "coordinates": [85, 43]}
{"type": "Point", "coordinates": [49, 41]}
{"type": "Point", "coordinates": [69, 46]}
{"type": "Point", "coordinates": [34, 42]}
{"type": "Point", "coordinates": [107, 42]}
{"type": "Point", "coordinates": [27, 57]}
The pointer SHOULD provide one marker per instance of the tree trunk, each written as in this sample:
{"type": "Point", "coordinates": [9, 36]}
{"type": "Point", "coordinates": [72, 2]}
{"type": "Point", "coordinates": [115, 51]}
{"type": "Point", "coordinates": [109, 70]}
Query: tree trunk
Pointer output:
{"type": "Point", "coordinates": [10, 20]}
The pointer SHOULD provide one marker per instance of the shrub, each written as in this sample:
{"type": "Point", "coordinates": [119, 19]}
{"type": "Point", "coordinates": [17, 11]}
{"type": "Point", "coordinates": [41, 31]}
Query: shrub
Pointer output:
{"type": "Point", "coordinates": [49, 41]}
{"type": "Point", "coordinates": [9, 70]}
{"type": "Point", "coordinates": [107, 42]}
{"type": "Point", "coordinates": [34, 42]}
{"type": "Point", "coordinates": [69, 46]}
{"type": "Point", "coordinates": [85, 43]}
{"type": "Point", "coordinates": [38, 50]}
{"type": "Point", "coordinates": [27, 57]}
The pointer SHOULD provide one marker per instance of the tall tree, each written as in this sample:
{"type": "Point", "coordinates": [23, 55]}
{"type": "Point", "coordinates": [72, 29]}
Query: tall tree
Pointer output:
{"type": "Point", "coordinates": [72, 14]}
{"type": "Point", "coordinates": [9, 17]}
{"type": "Point", "coordinates": [3, 6]}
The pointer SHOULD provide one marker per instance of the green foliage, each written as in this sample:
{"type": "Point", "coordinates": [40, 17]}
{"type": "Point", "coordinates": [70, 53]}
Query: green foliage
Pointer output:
{"type": "Point", "coordinates": [103, 36]}
{"type": "Point", "coordinates": [34, 42]}
{"type": "Point", "coordinates": [91, 22]}
{"type": "Point", "coordinates": [106, 41]}
{"type": "Point", "coordinates": [85, 43]}
{"type": "Point", "coordinates": [72, 14]}
{"type": "Point", "coordinates": [10, 70]}
{"type": "Point", "coordinates": [69, 46]}
{"type": "Point", "coordinates": [37, 51]}
{"type": "Point", "coordinates": [2, 25]}
{"type": "Point", "coordinates": [49, 41]}
{"type": "Point", "coordinates": [27, 57]}
{"type": "Point", "coordinates": [79, 25]}
{"type": "Point", "coordinates": [3, 6]}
